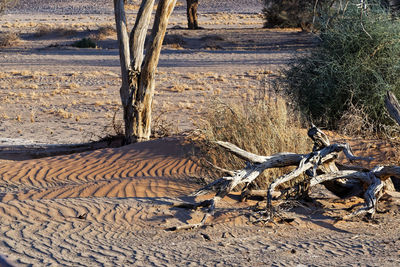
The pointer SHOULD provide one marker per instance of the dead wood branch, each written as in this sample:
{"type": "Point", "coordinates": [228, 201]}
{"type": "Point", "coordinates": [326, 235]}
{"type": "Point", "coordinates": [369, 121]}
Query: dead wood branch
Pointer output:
{"type": "Point", "coordinates": [316, 167]}
{"type": "Point", "coordinates": [392, 106]}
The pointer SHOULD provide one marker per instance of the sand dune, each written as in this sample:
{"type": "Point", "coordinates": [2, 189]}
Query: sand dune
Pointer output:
{"type": "Point", "coordinates": [111, 207]}
{"type": "Point", "coordinates": [155, 169]}
{"type": "Point", "coordinates": [54, 210]}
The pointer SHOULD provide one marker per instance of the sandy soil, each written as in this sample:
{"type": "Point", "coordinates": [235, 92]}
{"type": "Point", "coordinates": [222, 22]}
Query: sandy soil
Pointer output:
{"type": "Point", "coordinates": [51, 92]}
{"type": "Point", "coordinates": [111, 206]}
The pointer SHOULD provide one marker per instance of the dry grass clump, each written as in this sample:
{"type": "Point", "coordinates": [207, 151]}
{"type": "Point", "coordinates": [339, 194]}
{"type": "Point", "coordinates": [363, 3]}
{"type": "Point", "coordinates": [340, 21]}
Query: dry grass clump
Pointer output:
{"type": "Point", "coordinates": [85, 43]}
{"type": "Point", "coordinates": [5, 4]}
{"type": "Point", "coordinates": [162, 126]}
{"type": "Point", "coordinates": [9, 39]}
{"type": "Point", "coordinates": [174, 40]}
{"type": "Point", "coordinates": [263, 127]}
{"type": "Point", "coordinates": [64, 114]}
{"type": "Point", "coordinates": [73, 86]}
{"type": "Point", "coordinates": [103, 33]}
{"type": "Point", "coordinates": [179, 88]}
{"type": "Point", "coordinates": [46, 29]}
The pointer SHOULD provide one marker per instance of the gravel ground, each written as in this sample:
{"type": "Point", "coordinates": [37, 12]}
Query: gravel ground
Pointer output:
{"type": "Point", "coordinates": [106, 6]}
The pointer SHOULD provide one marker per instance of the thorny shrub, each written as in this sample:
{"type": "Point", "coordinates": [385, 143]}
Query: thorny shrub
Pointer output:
{"type": "Point", "coordinates": [355, 64]}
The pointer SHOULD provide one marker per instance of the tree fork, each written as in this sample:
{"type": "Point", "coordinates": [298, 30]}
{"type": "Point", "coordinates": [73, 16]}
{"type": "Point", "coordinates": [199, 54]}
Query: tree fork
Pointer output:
{"type": "Point", "coordinates": [137, 69]}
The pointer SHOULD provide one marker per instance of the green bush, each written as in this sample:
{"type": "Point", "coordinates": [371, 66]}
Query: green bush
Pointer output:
{"type": "Point", "coordinates": [85, 43]}
{"type": "Point", "coordinates": [356, 63]}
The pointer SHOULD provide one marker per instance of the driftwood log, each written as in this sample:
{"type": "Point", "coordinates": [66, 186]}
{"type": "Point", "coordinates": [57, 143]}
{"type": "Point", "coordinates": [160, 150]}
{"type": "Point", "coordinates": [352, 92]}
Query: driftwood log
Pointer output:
{"type": "Point", "coordinates": [317, 167]}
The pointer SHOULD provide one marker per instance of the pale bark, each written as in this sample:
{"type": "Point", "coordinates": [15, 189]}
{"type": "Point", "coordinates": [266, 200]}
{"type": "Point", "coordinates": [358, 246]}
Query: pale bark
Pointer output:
{"type": "Point", "coordinates": [126, 90]}
{"type": "Point", "coordinates": [137, 69]}
{"type": "Point", "coordinates": [392, 106]}
{"type": "Point", "coordinates": [145, 93]}
{"type": "Point", "coordinates": [138, 34]}
{"type": "Point", "coordinates": [312, 162]}
{"type": "Point", "coordinates": [319, 166]}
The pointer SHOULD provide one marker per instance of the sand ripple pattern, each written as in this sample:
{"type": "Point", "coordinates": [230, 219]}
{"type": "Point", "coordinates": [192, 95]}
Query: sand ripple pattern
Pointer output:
{"type": "Point", "coordinates": [93, 208]}
{"type": "Point", "coordinates": [129, 232]}
{"type": "Point", "coordinates": [153, 169]}
{"type": "Point", "coordinates": [111, 207]}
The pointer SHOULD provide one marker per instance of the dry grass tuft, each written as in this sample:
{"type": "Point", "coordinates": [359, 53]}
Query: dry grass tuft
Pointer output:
{"type": "Point", "coordinates": [179, 87]}
{"type": "Point", "coordinates": [9, 39]}
{"type": "Point", "coordinates": [162, 126]}
{"type": "Point", "coordinates": [64, 114]}
{"type": "Point", "coordinates": [103, 33]}
{"type": "Point", "coordinates": [46, 29]}
{"type": "Point", "coordinates": [263, 127]}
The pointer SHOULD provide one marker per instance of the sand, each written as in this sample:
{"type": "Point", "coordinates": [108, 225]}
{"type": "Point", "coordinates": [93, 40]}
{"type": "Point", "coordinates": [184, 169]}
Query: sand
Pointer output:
{"type": "Point", "coordinates": [113, 206]}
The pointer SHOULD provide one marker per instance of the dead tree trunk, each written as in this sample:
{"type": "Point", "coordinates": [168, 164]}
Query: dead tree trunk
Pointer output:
{"type": "Point", "coordinates": [316, 167]}
{"type": "Point", "coordinates": [191, 13]}
{"type": "Point", "coordinates": [137, 69]}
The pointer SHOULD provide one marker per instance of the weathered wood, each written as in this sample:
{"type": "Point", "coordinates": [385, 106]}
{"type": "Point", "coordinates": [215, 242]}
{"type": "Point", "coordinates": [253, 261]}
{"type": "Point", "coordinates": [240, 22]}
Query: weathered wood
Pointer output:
{"type": "Point", "coordinates": [138, 34]}
{"type": "Point", "coordinates": [388, 171]}
{"type": "Point", "coordinates": [126, 90]}
{"type": "Point", "coordinates": [247, 175]}
{"type": "Point", "coordinates": [137, 69]}
{"type": "Point", "coordinates": [392, 106]}
{"type": "Point", "coordinates": [250, 172]}
{"type": "Point", "coordinates": [312, 162]}
{"type": "Point", "coordinates": [375, 179]}
{"type": "Point", "coordinates": [319, 138]}
{"type": "Point", "coordinates": [145, 92]}
{"type": "Point", "coordinates": [248, 156]}
{"type": "Point", "coordinates": [319, 166]}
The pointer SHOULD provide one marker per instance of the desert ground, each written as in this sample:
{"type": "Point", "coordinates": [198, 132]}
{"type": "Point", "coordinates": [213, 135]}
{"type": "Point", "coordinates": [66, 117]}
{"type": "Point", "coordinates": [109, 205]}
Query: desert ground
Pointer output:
{"type": "Point", "coordinates": [111, 206]}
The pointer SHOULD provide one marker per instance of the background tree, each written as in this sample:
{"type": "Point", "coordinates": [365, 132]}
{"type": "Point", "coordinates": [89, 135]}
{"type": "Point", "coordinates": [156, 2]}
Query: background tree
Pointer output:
{"type": "Point", "coordinates": [138, 69]}
{"type": "Point", "coordinates": [192, 14]}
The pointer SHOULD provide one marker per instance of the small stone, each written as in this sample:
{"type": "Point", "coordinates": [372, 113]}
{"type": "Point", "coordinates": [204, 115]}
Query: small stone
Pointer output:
{"type": "Point", "coordinates": [206, 237]}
